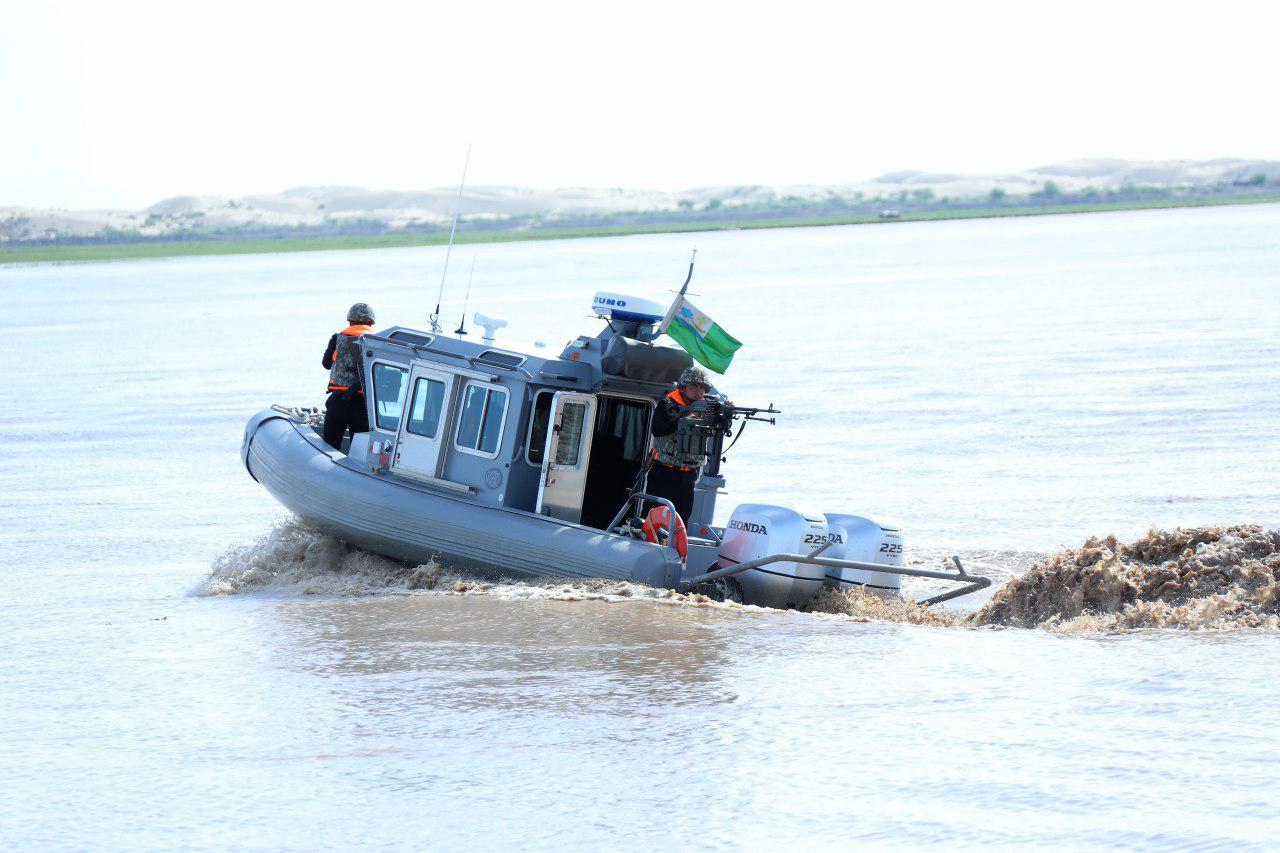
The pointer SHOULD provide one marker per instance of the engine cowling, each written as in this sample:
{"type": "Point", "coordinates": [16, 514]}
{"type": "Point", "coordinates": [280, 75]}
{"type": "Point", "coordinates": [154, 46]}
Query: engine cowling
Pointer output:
{"type": "Point", "coordinates": [866, 541]}
{"type": "Point", "coordinates": [759, 530]}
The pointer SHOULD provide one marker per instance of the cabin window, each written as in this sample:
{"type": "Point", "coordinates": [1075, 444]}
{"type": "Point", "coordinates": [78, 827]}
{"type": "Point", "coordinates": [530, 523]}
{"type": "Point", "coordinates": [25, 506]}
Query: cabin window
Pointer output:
{"type": "Point", "coordinates": [501, 359]}
{"type": "Point", "coordinates": [388, 394]}
{"type": "Point", "coordinates": [411, 338]}
{"type": "Point", "coordinates": [538, 424]}
{"type": "Point", "coordinates": [428, 402]}
{"type": "Point", "coordinates": [480, 422]}
{"type": "Point", "coordinates": [569, 437]}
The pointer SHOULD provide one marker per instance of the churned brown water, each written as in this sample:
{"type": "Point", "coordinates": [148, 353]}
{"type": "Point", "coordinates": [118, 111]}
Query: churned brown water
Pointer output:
{"type": "Point", "coordinates": [1217, 577]}
{"type": "Point", "coordinates": [182, 666]}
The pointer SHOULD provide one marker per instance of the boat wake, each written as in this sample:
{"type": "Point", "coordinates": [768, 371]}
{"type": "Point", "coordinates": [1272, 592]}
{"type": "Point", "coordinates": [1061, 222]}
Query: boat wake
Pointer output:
{"type": "Point", "coordinates": [1206, 578]}
{"type": "Point", "coordinates": [296, 559]}
{"type": "Point", "coordinates": [1214, 578]}
{"type": "Point", "coordinates": [1211, 578]}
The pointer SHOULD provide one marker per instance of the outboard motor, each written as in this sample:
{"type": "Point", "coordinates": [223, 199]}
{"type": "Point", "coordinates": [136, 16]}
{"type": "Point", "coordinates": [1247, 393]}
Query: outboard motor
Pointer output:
{"type": "Point", "coordinates": [759, 530]}
{"type": "Point", "coordinates": [864, 541]}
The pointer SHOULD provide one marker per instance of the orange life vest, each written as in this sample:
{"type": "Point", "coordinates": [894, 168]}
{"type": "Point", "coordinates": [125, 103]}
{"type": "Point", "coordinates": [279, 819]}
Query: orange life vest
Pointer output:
{"type": "Point", "coordinates": [664, 447]}
{"type": "Point", "coordinates": [347, 371]}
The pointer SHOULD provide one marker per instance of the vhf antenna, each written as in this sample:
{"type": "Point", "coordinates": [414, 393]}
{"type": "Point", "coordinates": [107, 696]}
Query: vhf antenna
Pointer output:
{"type": "Point", "coordinates": [435, 318]}
{"type": "Point", "coordinates": [462, 324]}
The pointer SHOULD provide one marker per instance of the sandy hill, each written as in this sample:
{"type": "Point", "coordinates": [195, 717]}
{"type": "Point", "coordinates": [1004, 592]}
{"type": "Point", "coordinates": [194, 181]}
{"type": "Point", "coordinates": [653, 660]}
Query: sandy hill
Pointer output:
{"type": "Point", "coordinates": [394, 209]}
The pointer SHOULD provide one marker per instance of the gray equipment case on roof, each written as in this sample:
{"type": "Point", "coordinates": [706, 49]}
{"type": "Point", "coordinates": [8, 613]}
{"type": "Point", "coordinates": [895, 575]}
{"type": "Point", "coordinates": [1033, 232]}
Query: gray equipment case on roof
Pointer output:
{"type": "Point", "coordinates": [643, 361]}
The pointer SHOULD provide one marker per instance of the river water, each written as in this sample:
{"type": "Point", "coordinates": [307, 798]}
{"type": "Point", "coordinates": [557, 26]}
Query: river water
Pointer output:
{"type": "Point", "coordinates": [1001, 388]}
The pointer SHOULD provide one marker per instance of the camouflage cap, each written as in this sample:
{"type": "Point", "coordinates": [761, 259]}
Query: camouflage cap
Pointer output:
{"type": "Point", "coordinates": [360, 313]}
{"type": "Point", "coordinates": [694, 376]}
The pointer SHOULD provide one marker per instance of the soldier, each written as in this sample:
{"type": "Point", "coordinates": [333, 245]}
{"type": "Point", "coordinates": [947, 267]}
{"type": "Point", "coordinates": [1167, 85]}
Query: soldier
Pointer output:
{"type": "Point", "coordinates": [345, 409]}
{"type": "Point", "coordinates": [674, 474]}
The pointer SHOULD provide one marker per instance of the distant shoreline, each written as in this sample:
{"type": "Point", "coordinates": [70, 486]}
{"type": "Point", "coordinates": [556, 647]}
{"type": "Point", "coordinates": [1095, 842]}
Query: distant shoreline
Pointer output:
{"type": "Point", "coordinates": [93, 252]}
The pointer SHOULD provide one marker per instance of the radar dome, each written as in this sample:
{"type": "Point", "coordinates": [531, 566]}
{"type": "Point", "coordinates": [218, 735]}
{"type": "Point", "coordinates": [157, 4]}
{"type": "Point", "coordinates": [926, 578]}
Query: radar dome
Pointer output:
{"type": "Point", "coordinates": [627, 309]}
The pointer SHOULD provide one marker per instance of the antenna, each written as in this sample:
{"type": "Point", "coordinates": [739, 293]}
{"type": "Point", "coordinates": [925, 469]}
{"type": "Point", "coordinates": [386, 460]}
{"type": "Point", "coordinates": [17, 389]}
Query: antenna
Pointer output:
{"type": "Point", "coordinates": [462, 324]}
{"type": "Point", "coordinates": [435, 318]}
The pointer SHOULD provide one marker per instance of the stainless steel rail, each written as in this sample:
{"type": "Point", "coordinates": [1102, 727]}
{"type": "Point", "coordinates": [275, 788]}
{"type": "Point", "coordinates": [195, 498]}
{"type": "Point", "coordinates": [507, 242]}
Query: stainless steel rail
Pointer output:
{"type": "Point", "coordinates": [972, 583]}
{"type": "Point", "coordinates": [641, 496]}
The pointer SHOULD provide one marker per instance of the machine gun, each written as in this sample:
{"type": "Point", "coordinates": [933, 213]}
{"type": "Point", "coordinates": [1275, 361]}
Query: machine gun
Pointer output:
{"type": "Point", "coordinates": [701, 431]}
{"type": "Point", "coordinates": [708, 422]}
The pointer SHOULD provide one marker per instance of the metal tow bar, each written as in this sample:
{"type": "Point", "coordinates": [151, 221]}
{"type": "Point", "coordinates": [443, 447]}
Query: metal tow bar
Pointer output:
{"type": "Point", "coordinates": [972, 583]}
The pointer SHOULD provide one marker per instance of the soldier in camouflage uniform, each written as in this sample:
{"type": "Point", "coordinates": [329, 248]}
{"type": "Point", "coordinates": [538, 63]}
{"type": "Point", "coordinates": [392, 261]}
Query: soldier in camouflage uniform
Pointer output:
{"type": "Point", "coordinates": [345, 409]}
{"type": "Point", "coordinates": [672, 474]}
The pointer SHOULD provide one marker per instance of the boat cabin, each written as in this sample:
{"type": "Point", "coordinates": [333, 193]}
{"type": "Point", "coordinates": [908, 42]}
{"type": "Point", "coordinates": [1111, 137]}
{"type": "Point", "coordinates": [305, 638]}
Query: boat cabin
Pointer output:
{"type": "Point", "coordinates": [561, 436]}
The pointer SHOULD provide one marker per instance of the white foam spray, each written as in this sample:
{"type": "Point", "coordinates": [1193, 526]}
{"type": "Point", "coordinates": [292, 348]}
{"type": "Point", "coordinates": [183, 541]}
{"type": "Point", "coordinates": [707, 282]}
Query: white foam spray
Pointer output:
{"type": "Point", "coordinates": [1205, 578]}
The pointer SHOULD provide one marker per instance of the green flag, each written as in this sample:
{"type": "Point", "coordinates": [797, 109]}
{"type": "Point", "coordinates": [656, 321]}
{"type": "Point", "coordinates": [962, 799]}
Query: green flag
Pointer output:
{"type": "Point", "coordinates": [701, 337]}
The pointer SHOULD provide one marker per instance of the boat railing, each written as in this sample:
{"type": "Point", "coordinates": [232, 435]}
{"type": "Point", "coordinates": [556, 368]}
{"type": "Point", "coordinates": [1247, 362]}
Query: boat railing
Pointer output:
{"type": "Point", "coordinates": [971, 583]}
{"type": "Point", "coordinates": [618, 528]}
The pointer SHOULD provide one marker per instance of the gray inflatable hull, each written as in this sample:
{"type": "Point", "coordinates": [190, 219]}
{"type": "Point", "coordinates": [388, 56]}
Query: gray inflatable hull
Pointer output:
{"type": "Point", "coordinates": [416, 523]}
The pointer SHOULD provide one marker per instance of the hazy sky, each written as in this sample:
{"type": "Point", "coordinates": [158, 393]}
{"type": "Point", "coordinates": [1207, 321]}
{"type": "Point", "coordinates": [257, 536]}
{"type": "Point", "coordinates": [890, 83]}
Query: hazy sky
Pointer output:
{"type": "Point", "coordinates": [121, 104]}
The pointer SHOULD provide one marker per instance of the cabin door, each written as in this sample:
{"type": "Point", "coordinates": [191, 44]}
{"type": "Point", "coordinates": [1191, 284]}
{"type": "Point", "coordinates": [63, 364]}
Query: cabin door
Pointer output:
{"type": "Point", "coordinates": [564, 459]}
{"type": "Point", "coordinates": [423, 423]}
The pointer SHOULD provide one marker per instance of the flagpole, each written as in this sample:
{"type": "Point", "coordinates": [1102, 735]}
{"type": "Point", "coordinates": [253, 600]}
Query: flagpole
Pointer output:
{"type": "Point", "coordinates": [675, 305]}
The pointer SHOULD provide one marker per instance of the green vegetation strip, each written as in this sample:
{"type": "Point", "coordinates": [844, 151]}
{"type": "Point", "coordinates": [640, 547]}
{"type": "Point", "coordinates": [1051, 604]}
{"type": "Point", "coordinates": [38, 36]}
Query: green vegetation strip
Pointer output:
{"type": "Point", "coordinates": [130, 251]}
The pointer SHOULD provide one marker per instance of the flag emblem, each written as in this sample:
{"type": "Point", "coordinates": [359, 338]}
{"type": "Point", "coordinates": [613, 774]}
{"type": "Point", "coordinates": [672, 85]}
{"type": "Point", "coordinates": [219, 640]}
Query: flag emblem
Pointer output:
{"type": "Point", "coordinates": [708, 343]}
{"type": "Point", "coordinates": [698, 321]}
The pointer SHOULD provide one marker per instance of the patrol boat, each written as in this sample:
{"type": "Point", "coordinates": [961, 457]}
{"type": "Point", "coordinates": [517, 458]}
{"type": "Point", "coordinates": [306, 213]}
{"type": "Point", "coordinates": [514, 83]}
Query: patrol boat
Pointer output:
{"type": "Point", "coordinates": [505, 463]}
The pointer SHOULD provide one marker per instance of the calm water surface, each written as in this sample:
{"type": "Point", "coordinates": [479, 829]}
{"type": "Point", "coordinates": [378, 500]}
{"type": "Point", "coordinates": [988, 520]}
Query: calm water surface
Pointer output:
{"type": "Point", "coordinates": [1000, 388]}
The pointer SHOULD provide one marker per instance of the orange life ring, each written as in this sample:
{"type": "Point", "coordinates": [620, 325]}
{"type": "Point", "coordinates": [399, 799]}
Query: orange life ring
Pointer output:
{"type": "Point", "coordinates": [660, 516]}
